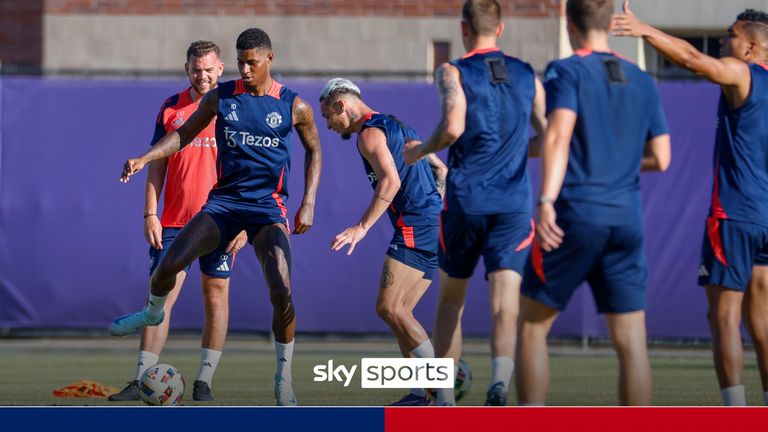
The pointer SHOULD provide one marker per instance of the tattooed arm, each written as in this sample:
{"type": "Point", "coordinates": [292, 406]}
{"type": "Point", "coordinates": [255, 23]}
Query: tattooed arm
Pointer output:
{"type": "Point", "coordinates": [304, 122]}
{"type": "Point", "coordinates": [452, 123]}
{"type": "Point", "coordinates": [439, 171]}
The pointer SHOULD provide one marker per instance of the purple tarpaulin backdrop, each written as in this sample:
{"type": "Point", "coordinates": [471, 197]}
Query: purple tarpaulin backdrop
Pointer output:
{"type": "Point", "coordinates": [73, 255]}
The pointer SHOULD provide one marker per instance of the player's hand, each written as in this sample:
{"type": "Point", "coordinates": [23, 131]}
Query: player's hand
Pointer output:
{"type": "Point", "coordinates": [131, 167]}
{"type": "Point", "coordinates": [153, 232]}
{"type": "Point", "coordinates": [413, 152]}
{"type": "Point", "coordinates": [350, 236]}
{"type": "Point", "coordinates": [237, 243]}
{"type": "Point", "coordinates": [304, 219]}
{"type": "Point", "coordinates": [550, 235]}
{"type": "Point", "coordinates": [627, 24]}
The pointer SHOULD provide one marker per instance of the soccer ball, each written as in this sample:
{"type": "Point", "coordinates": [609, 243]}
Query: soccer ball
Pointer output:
{"type": "Point", "coordinates": [462, 384]}
{"type": "Point", "coordinates": [161, 384]}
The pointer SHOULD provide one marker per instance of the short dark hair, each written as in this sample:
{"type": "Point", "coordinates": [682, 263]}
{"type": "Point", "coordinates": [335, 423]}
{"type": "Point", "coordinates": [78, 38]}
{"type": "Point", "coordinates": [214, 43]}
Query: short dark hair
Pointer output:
{"type": "Point", "coordinates": [482, 16]}
{"type": "Point", "coordinates": [201, 48]}
{"type": "Point", "coordinates": [253, 38]}
{"type": "Point", "coordinates": [589, 15]}
{"type": "Point", "coordinates": [755, 22]}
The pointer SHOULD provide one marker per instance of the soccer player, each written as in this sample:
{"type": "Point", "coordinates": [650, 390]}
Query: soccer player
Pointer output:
{"type": "Point", "coordinates": [734, 258]}
{"type": "Point", "coordinates": [191, 175]}
{"type": "Point", "coordinates": [605, 125]}
{"type": "Point", "coordinates": [487, 104]}
{"type": "Point", "coordinates": [409, 196]}
{"type": "Point", "coordinates": [254, 117]}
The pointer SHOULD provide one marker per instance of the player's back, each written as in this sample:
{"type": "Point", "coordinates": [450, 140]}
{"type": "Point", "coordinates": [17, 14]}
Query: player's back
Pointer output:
{"type": "Point", "coordinates": [488, 163]}
{"type": "Point", "coordinates": [618, 111]}
{"type": "Point", "coordinates": [418, 202]}
{"type": "Point", "coordinates": [254, 138]}
{"type": "Point", "coordinates": [741, 155]}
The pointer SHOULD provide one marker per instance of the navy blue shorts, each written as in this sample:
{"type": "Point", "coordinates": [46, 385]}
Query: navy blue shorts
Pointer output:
{"type": "Point", "coordinates": [216, 264]}
{"type": "Point", "coordinates": [730, 250]}
{"type": "Point", "coordinates": [423, 257]}
{"type": "Point", "coordinates": [611, 259]}
{"type": "Point", "coordinates": [504, 241]}
{"type": "Point", "coordinates": [231, 221]}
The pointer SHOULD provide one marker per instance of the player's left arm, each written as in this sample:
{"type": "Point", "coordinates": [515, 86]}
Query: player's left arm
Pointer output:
{"type": "Point", "coordinates": [372, 144]}
{"type": "Point", "coordinates": [453, 101]}
{"type": "Point", "coordinates": [538, 119]}
{"type": "Point", "coordinates": [657, 154]}
{"type": "Point", "coordinates": [439, 171]}
{"type": "Point", "coordinates": [554, 162]}
{"type": "Point", "coordinates": [304, 122]}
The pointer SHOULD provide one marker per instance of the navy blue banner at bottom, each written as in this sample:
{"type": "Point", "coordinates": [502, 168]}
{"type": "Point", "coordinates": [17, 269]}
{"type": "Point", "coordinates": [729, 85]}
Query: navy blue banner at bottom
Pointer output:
{"type": "Point", "coordinates": [213, 419]}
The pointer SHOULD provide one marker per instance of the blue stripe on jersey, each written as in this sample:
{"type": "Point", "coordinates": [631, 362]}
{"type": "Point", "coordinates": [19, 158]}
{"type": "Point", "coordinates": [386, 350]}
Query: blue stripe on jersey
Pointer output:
{"type": "Point", "coordinates": [741, 156]}
{"type": "Point", "coordinates": [418, 202]}
{"type": "Point", "coordinates": [618, 109]}
{"type": "Point", "coordinates": [254, 147]}
{"type": "Point", "coordinates": [487, 165]}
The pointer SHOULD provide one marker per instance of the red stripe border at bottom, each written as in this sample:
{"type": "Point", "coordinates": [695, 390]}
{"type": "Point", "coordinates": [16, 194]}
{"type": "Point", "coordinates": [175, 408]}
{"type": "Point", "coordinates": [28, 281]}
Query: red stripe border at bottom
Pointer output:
{"type": "Point", "coordinates": [592, 419]}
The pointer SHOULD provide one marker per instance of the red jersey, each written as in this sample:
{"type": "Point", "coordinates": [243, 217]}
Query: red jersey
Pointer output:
{"type": "Point", "coordinates": [191, 172]}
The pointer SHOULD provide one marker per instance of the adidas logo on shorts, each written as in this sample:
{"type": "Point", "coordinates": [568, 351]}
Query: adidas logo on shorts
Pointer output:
{"type": "Point", "coordinates": [703, 271]}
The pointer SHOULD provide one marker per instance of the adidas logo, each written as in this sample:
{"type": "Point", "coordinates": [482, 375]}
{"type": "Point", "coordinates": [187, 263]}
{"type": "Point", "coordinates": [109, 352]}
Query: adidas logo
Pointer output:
{"type": "Point", "coordinates": [703, 271]}
{"type": "Point", "coordinates": [232, 116]}
{"type": "Point", "coordinates": [282, 360]}
{"type": "Point", "coordinates": [207, 364]}
{"type": "Point", "coordinates": [223, 267]}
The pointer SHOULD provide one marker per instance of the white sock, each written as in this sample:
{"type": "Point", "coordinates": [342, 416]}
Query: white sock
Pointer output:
{"type": "Point", "coordinates": [447, 396]}
{"type": "Point", "coordinates": [209, 359]}
{"type": "Point", "coordinates": [734, 396]}
{"type": "Point", "coordinates": [284, 357]}
{"type": "Point", "coordinates": [156, 304]}
{"type": "Point", "coordinates": [765, 398]}
{"type": "Point", "coordinates": [146, 360]}
{"type": "Point", "coordinates": [424, 350]}
{"type": "Point", "coordinates": [501, 371]}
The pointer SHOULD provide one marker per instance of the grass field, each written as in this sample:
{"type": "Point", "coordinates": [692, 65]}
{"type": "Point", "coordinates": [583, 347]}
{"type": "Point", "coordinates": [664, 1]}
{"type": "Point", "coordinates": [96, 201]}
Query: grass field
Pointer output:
{"type": "Point", "coordinates": [33, 368]}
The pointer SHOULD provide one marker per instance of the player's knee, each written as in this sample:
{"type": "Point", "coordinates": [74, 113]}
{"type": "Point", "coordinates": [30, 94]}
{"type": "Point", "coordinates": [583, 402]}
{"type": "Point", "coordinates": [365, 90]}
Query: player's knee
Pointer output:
{"type": "Point", "coordinates": [723, 318]}
{"type": "Point", "coordinates": [390, 312]}
{"type": "Point", "coordinates": [280, 297]}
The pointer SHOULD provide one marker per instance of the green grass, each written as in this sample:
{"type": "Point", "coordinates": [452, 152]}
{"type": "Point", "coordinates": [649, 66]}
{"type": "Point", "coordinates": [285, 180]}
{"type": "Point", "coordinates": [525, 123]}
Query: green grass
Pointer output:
{"type": "Point", "coordinates": [32, 369]}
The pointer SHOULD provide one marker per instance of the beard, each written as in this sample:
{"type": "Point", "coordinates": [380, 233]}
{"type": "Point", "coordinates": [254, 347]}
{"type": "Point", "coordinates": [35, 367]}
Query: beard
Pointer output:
{"type": "Point", "coordinates": [346, 136]}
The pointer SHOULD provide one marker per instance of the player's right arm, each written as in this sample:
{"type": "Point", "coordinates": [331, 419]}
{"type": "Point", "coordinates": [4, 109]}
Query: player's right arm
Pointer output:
{"type": "Point", "coordinates": [554, 162]}
{"type": "Point", "coordinates": [453, 122]}
{"type": "Point", "coordinates": [732, 74]}
{"type": "Point", "coordinates": [176, 140]}
{"type": "Point", "coordinates": [372, 144]}
{"type": "Point", "coordinates": [153, 230]}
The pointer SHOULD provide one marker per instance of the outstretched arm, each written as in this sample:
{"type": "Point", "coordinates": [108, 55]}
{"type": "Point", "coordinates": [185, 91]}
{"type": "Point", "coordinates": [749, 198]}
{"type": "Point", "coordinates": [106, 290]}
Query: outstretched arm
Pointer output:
{"type": "Point", "coordinates": [304, 122]}
{"type": "Point", "coordinates": [538, 120]}
{"type": "Point", "coordinates": [373, 146]}
{"type": "Point", "coordinates": [452, 124]}
{"type": "Point", "coordinates": [731, 73]}
{"type": "Point", "coordinates": [176, 140]}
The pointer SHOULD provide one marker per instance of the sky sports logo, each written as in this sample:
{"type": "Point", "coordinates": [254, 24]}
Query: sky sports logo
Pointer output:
{"type": "Point", "coordinates": [391, 373]}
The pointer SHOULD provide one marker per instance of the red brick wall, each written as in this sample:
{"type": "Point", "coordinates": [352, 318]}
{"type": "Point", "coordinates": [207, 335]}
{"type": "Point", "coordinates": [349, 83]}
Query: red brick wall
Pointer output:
{"type": "Point", "coordinates": [21, 35]}
{"type": "Point", "coordinates": [535, 8]}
